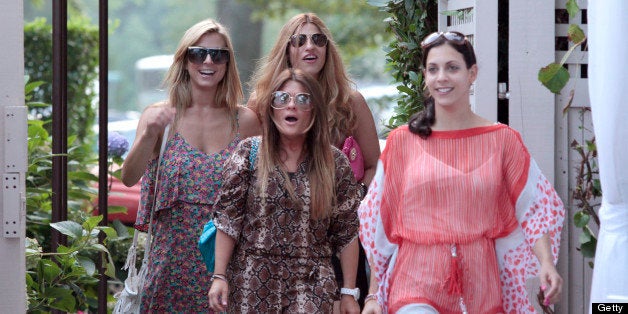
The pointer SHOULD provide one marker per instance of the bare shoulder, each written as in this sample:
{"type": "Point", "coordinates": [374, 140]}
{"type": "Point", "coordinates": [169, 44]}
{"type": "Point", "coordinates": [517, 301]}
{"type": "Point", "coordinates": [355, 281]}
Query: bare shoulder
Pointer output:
{"type": "Point", "coordinates": [357, 99]}
{"type": "Point", "coordinates": [249, 124]}
{"type": "Point", "coordinates": [358, 103]}
{"type": "Point", "coordinates": [159, 104]}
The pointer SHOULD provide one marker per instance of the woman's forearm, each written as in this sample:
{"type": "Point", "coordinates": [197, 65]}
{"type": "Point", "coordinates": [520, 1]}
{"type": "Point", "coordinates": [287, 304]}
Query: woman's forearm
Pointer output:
{"type": "Point", "coordinates": [224, 249]}
{"type": "Point", "coordinates": [349, 263]}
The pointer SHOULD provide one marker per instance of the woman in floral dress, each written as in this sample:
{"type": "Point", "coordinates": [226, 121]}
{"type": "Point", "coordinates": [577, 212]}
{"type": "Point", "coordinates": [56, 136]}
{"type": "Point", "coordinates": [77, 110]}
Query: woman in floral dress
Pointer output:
{"type": "Point", "coordinates": [206, 125]}
{"type": "Point", "coordinates": [287, 204]}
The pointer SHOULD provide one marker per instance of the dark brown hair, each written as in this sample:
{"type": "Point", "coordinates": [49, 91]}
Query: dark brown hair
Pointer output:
{"type": "Point", "coordinates": [421, 122]}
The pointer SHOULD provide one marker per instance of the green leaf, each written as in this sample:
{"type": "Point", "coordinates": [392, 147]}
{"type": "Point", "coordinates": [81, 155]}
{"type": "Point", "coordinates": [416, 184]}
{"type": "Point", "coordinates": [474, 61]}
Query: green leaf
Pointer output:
{"type": "Point", "coordinates": [413, 76]}
{"type": "Point", "coordinates": [575, 34]}
{"type": "Point", "coordinates": [588, 248]}
{"type": "Point", "coordinates": [82, 175]}
{"type": "Point", "coordinates": [572, 8]}
{"type": "Point", "coordinates": [116, 209]}
{"type": "Point", "coordinates": [404, 89]}
{"type": "Point", "coordinates": [87, 264]}
{"type": "Point", "coordinates": [581, 219]}
{"type": "Point", "coordinates": [554, 76]}
{"type": "Point", "coordinates": [63, 299]}
{"type": "Point", "coordinates": [69, 228]}
{"type": "Point", "coordinates": [110, 232]}
{"type": "Point", "coordinates": [91, 222]}
{"type": "Point", "coordinates": [121, 229]}
{"type": "Point", "coordinates": [49, 270]}
{"type": "Point", "coordinates": [585, 237]}
{"type": "Point", "coordinates": [28, 88]}
{"type": "Point", "coordinates": [99, 247]}
{"type": "Point", "coordinates": [110, 269]}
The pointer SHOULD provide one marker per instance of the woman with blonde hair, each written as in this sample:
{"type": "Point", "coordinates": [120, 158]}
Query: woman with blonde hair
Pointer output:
{"type": "Point", "coordinates": [305, 43]}
{"type": "Point", "coordinates": [288, 204]}
{"type": "Point", "coordinates": [206, 125]}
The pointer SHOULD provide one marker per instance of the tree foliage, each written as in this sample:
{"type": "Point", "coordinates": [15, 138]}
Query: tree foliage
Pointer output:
{"type": "Point", "coordinates": [82, 64]}
{"type": "Point", "coordinates": [355, 25]}
{"type": "Point", "coordinates": [410, 21]}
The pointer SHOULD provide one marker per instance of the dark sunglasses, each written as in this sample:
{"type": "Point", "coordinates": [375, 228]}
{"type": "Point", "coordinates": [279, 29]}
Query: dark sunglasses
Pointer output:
{"type": "Point", "coordinates": [281, 99]}
{"type": "Point", "coordinates": [454, 37]}
{"type": "Point", "coordinates": [197, 55]}
{"type": "Point", "coordinates": [298, 40]}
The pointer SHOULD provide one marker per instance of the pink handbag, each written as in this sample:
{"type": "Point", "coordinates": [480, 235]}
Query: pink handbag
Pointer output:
{"type": "Point", "coordinates": [354, 153]}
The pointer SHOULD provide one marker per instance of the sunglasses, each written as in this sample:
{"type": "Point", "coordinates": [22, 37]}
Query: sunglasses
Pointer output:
{"type": "Point", "coordinates": [281, 99]}
{"type": "Point", "coordinates": [197, 55]}
{"type": "Point", "coordinates": [454, 37]}
{"type": "Point", "coordinates": [299, 40]}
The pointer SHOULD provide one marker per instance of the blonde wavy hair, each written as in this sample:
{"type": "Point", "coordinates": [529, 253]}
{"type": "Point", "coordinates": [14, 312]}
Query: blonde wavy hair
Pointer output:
{"type": "Point", "coordinates": [321, 168]}
{"type": "Point", "coordinates": [333, 78]}
{"type": "Point", "coordinates": [229, 91]}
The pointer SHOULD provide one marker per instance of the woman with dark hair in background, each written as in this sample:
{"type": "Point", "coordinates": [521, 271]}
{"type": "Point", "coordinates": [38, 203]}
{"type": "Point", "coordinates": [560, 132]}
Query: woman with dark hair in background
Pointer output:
{"type": "Point", "coordinates": [459, 215]}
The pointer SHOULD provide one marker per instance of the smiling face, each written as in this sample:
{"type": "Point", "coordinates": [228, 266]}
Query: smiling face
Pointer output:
{"type": "Point", "coordinates": [447, 77]}
{"type": "Point", "coordinates": [292, 121]}
{"type": "Point", "coordinates": [207, 74]}
{"type": "Point", "coordinates": [309, 57]}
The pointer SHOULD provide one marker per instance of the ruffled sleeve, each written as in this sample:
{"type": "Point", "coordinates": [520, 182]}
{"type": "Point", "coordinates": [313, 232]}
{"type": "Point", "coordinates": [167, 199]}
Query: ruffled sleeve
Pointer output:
{"type": "Point", "coordinates": [376, 219]}
{"type": "Point", "coordinates": [344, 225]}
{"type": "Point", "coordinates": [231, 200]}
{"type": "Point", "coordinates": [539, 210]}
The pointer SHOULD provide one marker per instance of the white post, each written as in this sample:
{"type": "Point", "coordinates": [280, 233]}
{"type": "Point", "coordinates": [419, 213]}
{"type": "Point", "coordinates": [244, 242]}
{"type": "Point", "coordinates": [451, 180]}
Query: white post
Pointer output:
{"type": "Point", "coordinates": [531, 105]}
{"type": "Point", "coordinates": [13, 158]}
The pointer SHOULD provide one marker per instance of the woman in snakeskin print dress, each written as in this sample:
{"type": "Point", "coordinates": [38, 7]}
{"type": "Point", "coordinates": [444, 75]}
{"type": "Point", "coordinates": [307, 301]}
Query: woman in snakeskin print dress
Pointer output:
{"type": "Point", "coordinates": [282, 214]}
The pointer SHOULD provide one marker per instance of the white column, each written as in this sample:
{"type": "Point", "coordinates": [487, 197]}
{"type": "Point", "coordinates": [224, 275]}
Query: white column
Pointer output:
{"type": "Point", "coordinates": [12, 159]}
{"type": "Point", "coordinates": [531, 105]}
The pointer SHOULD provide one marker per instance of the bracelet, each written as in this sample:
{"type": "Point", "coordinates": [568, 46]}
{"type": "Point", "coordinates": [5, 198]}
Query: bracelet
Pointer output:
{"type": "Point", "coordinates": [219, 276]}
{"type": "Point", "coordinates": [370, 297]}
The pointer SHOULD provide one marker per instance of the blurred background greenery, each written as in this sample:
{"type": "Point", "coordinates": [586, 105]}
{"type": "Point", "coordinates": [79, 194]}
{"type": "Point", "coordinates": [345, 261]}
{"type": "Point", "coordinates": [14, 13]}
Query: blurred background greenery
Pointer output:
{"type": "Point", "coordinates": [142, 28]}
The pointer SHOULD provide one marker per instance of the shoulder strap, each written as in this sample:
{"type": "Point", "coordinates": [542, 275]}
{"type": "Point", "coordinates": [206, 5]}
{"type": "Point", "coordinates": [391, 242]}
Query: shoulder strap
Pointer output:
{"type": "Point", "coordinates": [164, 140]}
{"type": "Point", "coordinates": [253, 154]}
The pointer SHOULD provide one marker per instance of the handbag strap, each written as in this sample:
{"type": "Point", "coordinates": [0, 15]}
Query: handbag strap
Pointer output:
{"type": "Point", "coordinates": [253, 153]}
{"type": "Point", "coordinates": [148, 245]}
{"type": "Point", "coordinates": [132, 254]}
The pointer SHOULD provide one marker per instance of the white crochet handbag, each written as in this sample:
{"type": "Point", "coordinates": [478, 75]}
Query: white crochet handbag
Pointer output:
{"type": "Point", "coordinates": [129, 299]}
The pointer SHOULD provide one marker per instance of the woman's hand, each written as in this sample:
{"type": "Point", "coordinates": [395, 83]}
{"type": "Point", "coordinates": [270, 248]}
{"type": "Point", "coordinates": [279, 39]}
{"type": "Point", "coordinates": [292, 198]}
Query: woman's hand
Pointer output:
{"type": "Point", "coordinates": [372, 307]}
{"type": "Point", "coordinates": [348, 305]}
{"type": "Point", "coordinates": [218, 295]}
{"type": "Point", "coordinates": [158, 117]}
{"type": "Point", "coordinates": [551, 283]}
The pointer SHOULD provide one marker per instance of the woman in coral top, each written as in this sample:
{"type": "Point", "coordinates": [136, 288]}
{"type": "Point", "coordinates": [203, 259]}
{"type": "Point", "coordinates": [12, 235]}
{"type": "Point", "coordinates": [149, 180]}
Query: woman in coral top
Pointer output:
{"type": "Point", "coordinates": [458, 216]}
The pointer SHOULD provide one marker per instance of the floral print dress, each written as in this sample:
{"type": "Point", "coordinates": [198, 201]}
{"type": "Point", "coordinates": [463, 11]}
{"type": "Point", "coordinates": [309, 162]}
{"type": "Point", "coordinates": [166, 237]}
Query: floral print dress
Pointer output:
{"type": "Point", "coordinates": [178, 280]}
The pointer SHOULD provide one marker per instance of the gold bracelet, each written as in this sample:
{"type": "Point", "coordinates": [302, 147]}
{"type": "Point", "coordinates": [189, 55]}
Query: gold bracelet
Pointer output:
{"type": "Point", "coordinates": [219, 276]}
{"type": "Point", "coordinates": [370, 297]}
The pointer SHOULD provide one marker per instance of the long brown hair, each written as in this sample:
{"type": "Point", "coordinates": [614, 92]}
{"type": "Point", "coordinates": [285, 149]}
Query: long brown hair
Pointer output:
{"type": "Point", "coordinates": [321, 165]}
{"type": "Point", "coordinates": [333, 78]}
{"type": "Point", "coordinates": [229, 91]}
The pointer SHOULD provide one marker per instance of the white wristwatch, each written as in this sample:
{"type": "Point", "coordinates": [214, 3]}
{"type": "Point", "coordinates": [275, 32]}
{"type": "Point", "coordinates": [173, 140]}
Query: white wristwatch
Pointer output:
{"type": "Point", "coordinates": [355, 293]}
